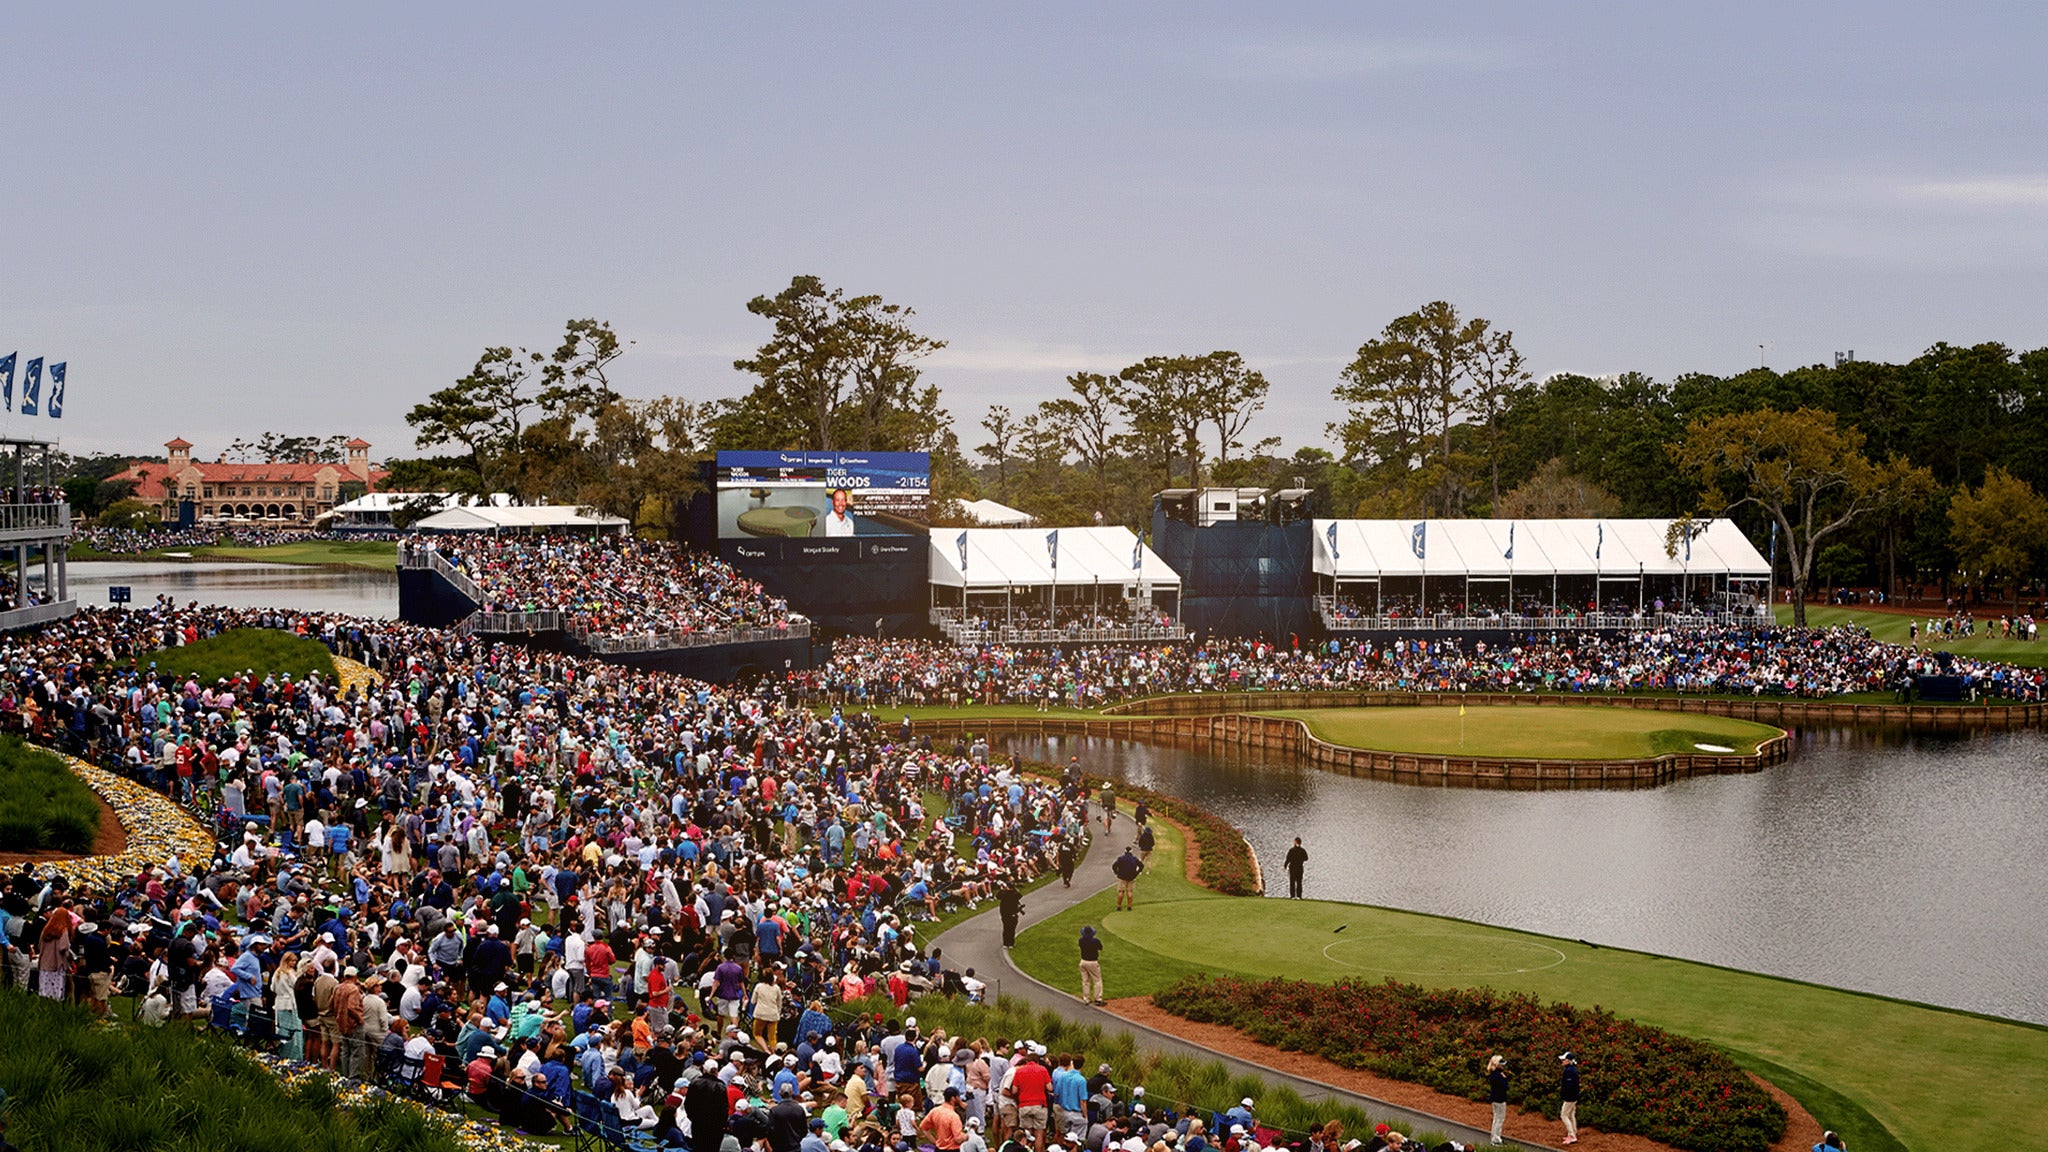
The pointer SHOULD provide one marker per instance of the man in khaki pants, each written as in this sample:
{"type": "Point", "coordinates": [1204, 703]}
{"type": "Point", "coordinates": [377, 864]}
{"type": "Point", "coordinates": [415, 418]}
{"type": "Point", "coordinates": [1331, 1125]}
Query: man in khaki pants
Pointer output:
{"type": "Point", "coordinates": [1091, 966]}
{"type": "Point", "coordinates": [1568, 1097]}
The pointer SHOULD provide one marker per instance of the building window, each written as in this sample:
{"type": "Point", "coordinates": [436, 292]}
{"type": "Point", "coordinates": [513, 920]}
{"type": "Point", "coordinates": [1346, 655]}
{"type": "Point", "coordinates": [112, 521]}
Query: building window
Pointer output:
{"type": "Point", "coordinates": [209, 491]}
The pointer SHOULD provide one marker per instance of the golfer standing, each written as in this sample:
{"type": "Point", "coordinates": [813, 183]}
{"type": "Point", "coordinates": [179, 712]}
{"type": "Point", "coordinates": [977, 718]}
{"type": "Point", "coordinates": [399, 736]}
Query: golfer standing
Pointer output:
{"type": "Point", "coordinates": [1297, 859]}
{"type": "Point", "coordinates": [1127, 867]}
{"type": "Point", "coordinates": [1497, 1092]}
{"type": "Point", "coordinates": [1568, 1097]}
{"type": "Point", "coordinates": [1091, 966]}
{"type": "Point", "coordinates": [1010, 905]}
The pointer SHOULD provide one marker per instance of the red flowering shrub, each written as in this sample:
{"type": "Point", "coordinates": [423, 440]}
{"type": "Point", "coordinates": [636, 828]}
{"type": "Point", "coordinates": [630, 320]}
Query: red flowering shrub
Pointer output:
{"type": "Point", "coordinates": [1636, 1079]}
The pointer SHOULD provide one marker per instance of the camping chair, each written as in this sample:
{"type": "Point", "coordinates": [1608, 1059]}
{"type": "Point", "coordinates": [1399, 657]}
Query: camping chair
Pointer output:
{"type": "Point", "coordinates": [222, 1016]}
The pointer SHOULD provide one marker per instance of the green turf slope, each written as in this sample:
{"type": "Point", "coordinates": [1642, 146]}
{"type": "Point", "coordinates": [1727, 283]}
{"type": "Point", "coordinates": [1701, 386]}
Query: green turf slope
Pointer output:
{"type": "Point", "coordinates": [1547, 732]}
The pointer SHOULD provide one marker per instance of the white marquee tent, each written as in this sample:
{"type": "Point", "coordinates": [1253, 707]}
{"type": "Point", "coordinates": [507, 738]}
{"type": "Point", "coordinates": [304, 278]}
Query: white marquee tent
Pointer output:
{"type": "Point", "coordinates": [999, 558]}
{"type": "Point", "coordinates": [1431, 564]}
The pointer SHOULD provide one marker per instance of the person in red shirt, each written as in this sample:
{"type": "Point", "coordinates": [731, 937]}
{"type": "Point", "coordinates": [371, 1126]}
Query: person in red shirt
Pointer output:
{"type": "Point", "coordinates": [598, 960]}
{"type": "Point", "coordinates": [1029, 1085]}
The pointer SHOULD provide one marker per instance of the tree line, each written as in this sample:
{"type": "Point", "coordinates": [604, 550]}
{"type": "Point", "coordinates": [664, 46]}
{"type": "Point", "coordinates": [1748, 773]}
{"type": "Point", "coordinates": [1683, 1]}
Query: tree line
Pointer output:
{"type": "Point", "coordinates": [1927, 472]}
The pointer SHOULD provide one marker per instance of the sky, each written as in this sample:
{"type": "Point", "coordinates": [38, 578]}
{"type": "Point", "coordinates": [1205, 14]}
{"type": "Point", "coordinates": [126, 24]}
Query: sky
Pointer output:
{"type": "Point", "coordinates": [296, 218]}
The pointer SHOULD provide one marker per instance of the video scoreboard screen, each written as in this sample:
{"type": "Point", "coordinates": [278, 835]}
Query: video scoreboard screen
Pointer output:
{"type": "Point", "coordinates": [787, 495]}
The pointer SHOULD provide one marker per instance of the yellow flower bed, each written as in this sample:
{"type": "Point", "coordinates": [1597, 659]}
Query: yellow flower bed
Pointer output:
{"type": "Point", "coordinates": [355, 673]}
{"type": "Point", "coordinates": [157, 828]}
{"type": "Point", "coordinates": [477, 1134]}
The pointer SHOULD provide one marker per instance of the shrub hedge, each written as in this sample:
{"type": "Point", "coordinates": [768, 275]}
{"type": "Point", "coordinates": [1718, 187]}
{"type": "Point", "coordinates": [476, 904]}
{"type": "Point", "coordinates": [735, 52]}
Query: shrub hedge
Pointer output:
{"type": "Point", "coordinates": [230, 653]}
{"type": "Point", "coordinates": [1636, 1079]}
{"type": "Point", "coordinates": [43, 804]}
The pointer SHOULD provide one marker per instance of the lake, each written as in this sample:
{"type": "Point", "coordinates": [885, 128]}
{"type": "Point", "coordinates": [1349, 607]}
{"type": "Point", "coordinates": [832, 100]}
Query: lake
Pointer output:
{"type": "Point", "coordinates": [237, 584]}
{"type": "Point", "coordinates": [1907, 866]}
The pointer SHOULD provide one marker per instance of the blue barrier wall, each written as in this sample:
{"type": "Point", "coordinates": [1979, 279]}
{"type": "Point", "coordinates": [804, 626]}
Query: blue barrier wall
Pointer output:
{"type": "Point", "coordinates": [1241, 578]}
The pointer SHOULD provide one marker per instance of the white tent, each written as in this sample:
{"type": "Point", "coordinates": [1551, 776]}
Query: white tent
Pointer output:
{"type": "Point", "coordinates": [1368, 569]}
{"type": "Point", "coordinates": [1370, 549]}
{"type": "Point", "coordinates": [997, 558]}
{"type": "Point", "coordinates": [524, 518]}
{"type": "Point", "coordinates": [990, 514]}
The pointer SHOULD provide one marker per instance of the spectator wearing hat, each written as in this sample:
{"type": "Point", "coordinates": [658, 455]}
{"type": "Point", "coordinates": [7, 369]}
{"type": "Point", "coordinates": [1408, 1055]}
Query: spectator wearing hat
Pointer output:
{"type": "Point", "coordinates": [946, 1123]}
{"type": "Point", "coordinates": [1497, 1092]}
{"type": "Point", "coordinates": [1568, 1096]}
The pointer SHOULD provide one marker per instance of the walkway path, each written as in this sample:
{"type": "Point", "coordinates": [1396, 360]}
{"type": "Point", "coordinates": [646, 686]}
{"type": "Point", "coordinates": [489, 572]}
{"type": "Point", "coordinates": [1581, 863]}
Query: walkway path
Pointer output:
{"type": "Point", "coordinates": [978, 943]}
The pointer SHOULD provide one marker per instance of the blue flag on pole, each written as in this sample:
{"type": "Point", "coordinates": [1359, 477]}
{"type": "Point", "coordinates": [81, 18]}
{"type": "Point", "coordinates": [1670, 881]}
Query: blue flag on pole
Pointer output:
{"type": "Point", "coordinates": [7, 380]}
{"type": "Point", "coordinates": [57, 390]}
{"type": "Point", "coordinates": [1510, 553]}
{"type": "Point", "coordinates": [1052, 547]}
{"type": "Point", "coordinates": [1689, 530]}
{"type": "Point", "coordinates": [1774, 547]}
{"type": "Point", "coordinates": [1331, 532]}
{"type": "Point", "coordinates": [1138, 552]}
{"type": "Point", "coordinates": [1599, 539]}
{"type": "Point", "coordinates": [31, 385]}
{"type": "Point", "coordinates": [1418, 540]}
{"type": "Point", "coordinates": [963, 549]}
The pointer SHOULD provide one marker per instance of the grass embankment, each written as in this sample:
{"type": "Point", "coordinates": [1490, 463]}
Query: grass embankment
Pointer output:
{"type": "Point", "coordinates": [1935, 1078]}
{"type": "Point", "coordinates": [43, 804]}
{"type": "Point", "coordinates": [1547, 733]}
{"type": "Point", "coordinates": [265, 650]}
{"type": "Point", "coordinates": [1894, 626]}
{"type": "Point", "coordinates": [74, 1084]}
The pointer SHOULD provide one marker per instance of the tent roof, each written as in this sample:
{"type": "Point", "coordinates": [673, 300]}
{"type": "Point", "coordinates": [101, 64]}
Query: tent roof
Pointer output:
{"type": "Point", "coordinates": [487, 518]}
{"type": "Point", "coordinates": [1370, 549]}
{"type": "Point", "coordinates": [1004, 557]}
{"type": "Point", "coordinates": [994, 515]}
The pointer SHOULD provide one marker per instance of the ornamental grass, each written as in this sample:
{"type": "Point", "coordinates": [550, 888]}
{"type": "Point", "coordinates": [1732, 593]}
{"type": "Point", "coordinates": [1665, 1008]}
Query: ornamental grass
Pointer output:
{"type": "Point", "coordinates": [43, 804]}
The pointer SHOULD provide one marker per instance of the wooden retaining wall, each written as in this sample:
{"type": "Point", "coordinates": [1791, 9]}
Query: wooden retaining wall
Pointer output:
{"type": "Point", "coordinates": [1781, 712]}
{"type": "Point", "coordinates": [1237, 733]}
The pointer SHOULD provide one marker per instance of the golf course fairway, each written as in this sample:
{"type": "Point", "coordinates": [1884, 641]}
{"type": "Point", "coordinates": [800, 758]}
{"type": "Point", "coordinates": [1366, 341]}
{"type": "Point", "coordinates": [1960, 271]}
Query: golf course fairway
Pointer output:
{"type": "Point", "coordinates": [1935, 1079]}
{"type": "Point", "coordinates": [1546, 732]}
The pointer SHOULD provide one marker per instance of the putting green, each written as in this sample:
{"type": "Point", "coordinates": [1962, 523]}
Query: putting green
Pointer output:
{"type": "Point", "coordinates": [1545, 732]}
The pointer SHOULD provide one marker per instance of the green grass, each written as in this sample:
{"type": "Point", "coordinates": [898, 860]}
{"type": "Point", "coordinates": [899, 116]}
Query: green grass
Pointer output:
{"type": "Point", "coordinates": [43, 804]}
{"type": "Point", "coordinates": [1555, 733]}
{"type": "Point", "coordinates": [893, 716]}
{"type": "Point", "coordinates": [237, 650]}
{"type": "Point", "coordinates": [354, 553]}
{"type": "Point", "coordinates": [75, 1085]}
{"type": "Point", "coordinates": [1936, 1079]}
{"type": "Point", "coordinates": [1893, 626]}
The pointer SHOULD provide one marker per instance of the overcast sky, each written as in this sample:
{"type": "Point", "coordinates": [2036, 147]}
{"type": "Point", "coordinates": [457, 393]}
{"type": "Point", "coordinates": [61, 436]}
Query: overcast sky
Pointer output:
{"type": "Point", "coordinates": [280, 217]}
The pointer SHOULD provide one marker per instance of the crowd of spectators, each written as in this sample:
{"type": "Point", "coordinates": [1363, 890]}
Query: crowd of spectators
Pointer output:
{"type": "Point", "coordinates": [550, 873]}
{"type": "Point", "coordinates": [1749, 661]}
{"type": "Point", "coordinates": [611, 586]}
{"type": "Point", "coordinates": [133, 541]}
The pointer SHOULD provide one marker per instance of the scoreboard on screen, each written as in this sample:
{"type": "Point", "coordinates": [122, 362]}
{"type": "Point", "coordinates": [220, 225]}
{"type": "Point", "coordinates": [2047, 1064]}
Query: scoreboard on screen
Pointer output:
{"type": "Point", "coordinates": [775, 494]}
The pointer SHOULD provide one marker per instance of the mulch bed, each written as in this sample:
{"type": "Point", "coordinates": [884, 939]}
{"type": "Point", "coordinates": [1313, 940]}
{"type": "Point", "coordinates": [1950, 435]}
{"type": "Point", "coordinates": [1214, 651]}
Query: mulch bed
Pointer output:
{"type": "Point", "coordinates": [1802, 1131]}
{"type": "Point", "coordinates": [110, 839]}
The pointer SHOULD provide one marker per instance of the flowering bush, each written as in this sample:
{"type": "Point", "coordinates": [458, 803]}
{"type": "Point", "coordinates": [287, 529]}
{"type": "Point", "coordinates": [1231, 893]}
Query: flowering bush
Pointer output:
{"type": "Point", "coordinates": [1226, 860]}
{"type": "Point", "coordinates": [1637, 1079]}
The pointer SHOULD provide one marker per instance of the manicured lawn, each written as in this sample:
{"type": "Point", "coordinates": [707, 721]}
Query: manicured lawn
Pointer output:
{"type": "Point", "coordinates": [43, 804]}
{"type": "Point", "coordinates": [356, 553]}
{"type": "Point", "coordinates": [265, 650]}
{"type": "Point", "coordinates": [894, 716]}
{"type": "Point", "coordinates": [1893, 626]}
{"type": "Point", "coordinates": [1936, 1079]}
{"type": "Point", "coordinates": [1556, 733]}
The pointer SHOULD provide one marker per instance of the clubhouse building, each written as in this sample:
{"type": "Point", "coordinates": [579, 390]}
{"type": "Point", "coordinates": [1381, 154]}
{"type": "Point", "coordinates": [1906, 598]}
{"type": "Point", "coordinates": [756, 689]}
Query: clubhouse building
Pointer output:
{"type": "Point", "coordinates": [272, 494]}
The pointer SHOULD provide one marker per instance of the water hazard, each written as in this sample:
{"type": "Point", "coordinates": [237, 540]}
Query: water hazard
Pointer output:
{"type": "Point", "coordinates": [234, 584]}
{"type": "Point", "coordinates": [1908, 866]}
